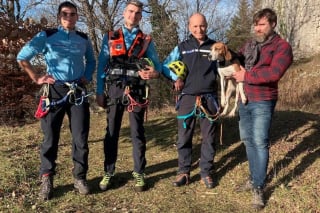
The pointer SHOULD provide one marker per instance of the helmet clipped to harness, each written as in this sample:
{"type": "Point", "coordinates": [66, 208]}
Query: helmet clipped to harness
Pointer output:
{"type": "Point", "coordinates": [179, 68]}
{"type": "Point", "coordinates": [143, 62]}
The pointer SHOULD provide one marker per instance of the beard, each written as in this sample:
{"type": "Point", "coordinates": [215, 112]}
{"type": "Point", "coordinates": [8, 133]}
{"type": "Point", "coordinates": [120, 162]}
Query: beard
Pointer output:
{"type": "Point", "coordinates": [262, 37]}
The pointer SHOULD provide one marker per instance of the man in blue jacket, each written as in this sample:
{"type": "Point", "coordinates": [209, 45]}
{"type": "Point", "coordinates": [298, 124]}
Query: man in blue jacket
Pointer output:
{"type": "Point", "coordinates": [121, 85]}
{"type": "Point", "coordinates": [70, 64]}
{"type": "Point", "coordinates": [198, 99]}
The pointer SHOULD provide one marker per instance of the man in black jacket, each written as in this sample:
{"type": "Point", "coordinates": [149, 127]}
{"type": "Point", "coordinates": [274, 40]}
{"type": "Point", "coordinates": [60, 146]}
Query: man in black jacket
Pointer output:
{"type": "Point", "coordinates": [198, 99]}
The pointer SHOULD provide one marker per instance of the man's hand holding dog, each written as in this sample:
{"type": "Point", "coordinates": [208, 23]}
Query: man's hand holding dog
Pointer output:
{"type": "Point", "coordinates": [239, 75]}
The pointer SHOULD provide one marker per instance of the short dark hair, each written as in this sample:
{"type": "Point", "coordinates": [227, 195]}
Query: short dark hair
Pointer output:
{"type": "Point", "coordinates": [135, 2]}
{"type": "Point", "coordinates": [266, 12]}
{"type": "Point", "coordinates": [67, 4]}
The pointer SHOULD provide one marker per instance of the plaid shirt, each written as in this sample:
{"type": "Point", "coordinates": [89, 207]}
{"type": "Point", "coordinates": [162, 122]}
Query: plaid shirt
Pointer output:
{"type": "Point", "coordinates": [261, 82]}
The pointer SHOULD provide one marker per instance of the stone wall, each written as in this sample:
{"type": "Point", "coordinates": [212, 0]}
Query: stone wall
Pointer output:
{"type": "Point", "coordinates": [299, 23]}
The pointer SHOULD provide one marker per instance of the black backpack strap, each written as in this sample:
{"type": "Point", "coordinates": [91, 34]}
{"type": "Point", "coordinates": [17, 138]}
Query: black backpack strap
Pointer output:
{"type": "Point", "coordinates": [83, 35]}
{"type": "Point", "coordinates": [50, 32]}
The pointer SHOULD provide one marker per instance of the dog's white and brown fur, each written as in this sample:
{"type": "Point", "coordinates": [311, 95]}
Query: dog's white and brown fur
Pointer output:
{"type": "Point", "coordinates": [221, 53]}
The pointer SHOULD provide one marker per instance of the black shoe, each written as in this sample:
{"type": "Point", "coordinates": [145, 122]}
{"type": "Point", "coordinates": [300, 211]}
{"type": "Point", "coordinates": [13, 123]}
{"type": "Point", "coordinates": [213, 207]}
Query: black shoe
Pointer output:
{"type": "Point", "coordinates": [245, 187]}
{"type": "Point", "coordinates": [258, 198]}
{"type": "Point", "coordinates": [207, 181]}
{"type": "Point", "coordinates": [182, 179]}
{"type": "Point", "coordinates": [82, 186]}
{"type": "Point", "coordinates": [46, 188]}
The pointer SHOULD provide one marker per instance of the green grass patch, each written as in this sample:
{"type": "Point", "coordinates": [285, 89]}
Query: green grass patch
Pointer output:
{"type": "Point", "coordinates": [293, 177]}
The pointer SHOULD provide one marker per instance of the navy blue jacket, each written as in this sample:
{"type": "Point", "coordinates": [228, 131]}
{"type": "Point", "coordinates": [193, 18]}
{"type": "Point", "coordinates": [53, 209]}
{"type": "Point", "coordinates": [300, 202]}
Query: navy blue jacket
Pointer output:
{"type": "Point", "coordinates": [202, 73]}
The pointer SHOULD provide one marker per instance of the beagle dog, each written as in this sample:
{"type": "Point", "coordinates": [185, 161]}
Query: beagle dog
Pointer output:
{"type": "Point", "coordinates": [226, 67]}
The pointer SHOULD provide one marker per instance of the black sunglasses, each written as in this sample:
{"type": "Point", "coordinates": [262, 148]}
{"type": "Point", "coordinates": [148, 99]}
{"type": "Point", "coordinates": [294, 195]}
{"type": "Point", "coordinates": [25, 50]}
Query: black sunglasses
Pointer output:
{"type": "Point", "coordinates": [65, 14]}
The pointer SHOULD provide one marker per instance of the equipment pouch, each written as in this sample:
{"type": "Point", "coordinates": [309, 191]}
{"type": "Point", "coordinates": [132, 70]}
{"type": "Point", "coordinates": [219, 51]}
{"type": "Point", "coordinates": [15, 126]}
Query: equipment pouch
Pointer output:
{"type": "Point", "coordinates": [44, 102]}
{"type": "Point", "coordinates": [43, 107]}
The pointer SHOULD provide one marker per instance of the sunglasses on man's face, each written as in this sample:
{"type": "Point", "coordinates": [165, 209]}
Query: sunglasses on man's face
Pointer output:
{"type": "Point", "coordinates": [65, 14]}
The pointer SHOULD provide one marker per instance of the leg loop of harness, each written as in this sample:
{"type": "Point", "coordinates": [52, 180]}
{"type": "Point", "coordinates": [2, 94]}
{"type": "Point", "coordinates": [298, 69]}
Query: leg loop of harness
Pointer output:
{"type": "Point", "coordinates": [185, 117]}
{"type": "Point", "coordinates": [200, 111]}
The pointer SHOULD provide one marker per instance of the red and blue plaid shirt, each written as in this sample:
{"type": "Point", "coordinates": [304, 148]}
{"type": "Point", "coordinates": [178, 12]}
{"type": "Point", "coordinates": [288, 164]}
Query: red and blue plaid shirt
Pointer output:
{"type": "Point", "coordinates": [261, 82]}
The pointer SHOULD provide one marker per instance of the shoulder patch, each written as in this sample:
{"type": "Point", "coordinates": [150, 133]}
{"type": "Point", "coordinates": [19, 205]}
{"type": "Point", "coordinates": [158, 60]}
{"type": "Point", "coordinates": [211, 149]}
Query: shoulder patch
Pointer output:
{"type": "Point", "coordinates": [83, 35]}
{"type": "Point", "coordinates": [50, 32]}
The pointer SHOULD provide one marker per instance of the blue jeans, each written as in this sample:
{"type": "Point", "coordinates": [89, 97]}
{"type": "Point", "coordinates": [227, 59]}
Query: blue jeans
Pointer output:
{"type": "Point", "coordinates": [254, 126]}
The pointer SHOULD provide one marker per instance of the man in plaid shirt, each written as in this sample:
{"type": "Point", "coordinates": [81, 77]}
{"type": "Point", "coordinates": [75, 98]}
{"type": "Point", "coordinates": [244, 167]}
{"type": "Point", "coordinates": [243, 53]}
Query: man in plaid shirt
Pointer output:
{"type": "Point", "coordinates": [266, 57]}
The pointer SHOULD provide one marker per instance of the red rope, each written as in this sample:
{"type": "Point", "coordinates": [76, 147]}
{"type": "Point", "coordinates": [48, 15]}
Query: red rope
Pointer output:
{"type": "Point", "coordinates": [133, 103]}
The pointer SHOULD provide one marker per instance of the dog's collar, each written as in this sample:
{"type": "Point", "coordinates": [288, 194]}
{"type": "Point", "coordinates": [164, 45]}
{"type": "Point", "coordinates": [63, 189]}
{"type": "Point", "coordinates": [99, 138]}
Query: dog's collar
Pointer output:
{"type": "Point", "coordinates": [221, 63]}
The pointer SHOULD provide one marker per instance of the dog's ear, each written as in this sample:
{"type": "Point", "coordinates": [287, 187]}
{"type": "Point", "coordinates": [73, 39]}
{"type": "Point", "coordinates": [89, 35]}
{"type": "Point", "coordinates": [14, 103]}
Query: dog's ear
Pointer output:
{"type": "Point", "coordinates": [228, 53]}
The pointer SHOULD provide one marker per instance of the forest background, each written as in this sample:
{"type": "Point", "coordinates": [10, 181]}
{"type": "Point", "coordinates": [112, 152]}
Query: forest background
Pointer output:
{"type": "Point", "coordinates": [166, 21]}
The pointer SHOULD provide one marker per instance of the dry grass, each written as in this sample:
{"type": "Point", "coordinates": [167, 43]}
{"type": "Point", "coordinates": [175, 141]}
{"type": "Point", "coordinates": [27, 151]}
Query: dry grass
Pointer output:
{"type": "Point", "coordinates": [293, 176]}
{"type": "Point", "coordinates": [300, 88]}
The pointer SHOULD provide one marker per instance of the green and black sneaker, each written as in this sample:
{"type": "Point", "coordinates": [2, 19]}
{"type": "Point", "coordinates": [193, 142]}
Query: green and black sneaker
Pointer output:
{"type": "Point", "coordinates": [105, 183]}
{"type": "Point", "coordinates": [140, 184]}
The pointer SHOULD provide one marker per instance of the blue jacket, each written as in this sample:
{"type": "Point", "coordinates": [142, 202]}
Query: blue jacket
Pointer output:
{"type": "Point", "coordinates": [69, 55]}
{"type": "Point", "coordinates": [104, 56]}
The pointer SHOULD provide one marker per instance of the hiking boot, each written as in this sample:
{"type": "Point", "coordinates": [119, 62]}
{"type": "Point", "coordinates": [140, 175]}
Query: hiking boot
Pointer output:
{"type": "Point", "coordinates": [258, 198]}
{"type": "Point", "coordinates": [105, 183]}
{"type": "Point", "coordinates": [245, 187]}
{"type": "Point", "coordinates": [207, 181]}
{"type": "Point", "coordinates": [182, 179]}
{"type": "Point", "coordinates": [46, 188]}
{"type": "Point", "coordinates": [140, 184]}
{"type": "Point", "coordinates": [82, 186]}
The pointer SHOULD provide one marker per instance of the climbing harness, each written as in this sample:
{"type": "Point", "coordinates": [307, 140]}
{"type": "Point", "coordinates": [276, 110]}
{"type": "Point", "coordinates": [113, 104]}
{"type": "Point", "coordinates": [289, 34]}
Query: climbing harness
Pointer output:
{"type": "Point", "coordinates": [201, 112]}
{"type": "Point", "coordinates": [123, 70]}
{"type": "Point", "coordinates": [71, 97]}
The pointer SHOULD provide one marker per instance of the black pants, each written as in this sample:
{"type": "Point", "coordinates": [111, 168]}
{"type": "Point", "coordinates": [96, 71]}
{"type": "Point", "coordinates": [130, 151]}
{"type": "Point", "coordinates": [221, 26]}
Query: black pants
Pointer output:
{"type": "Point", "coordinates": [79, 122]}
{"type": "Point", "coordinates": [185, 135]}
{"type": "Point", "coordinates": [114, 118]}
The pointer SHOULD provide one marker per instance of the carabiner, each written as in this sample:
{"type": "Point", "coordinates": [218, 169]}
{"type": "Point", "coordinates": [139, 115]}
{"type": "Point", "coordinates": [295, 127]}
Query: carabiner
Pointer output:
{"type": "Point", "coordinates": [125, 100]}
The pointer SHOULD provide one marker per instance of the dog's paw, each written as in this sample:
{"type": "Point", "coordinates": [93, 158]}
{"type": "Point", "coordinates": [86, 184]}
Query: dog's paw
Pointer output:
{"type": "Point", "coordinates": [244, 101]}
{"type": "Point", "coordinates": [232, 114]}
{"type": "Point", "coordinates": [224, 112]}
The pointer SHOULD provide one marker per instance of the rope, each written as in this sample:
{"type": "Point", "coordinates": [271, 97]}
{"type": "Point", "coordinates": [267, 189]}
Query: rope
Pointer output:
{"type": "Point", "coordinates": [209, 116]}
{"type": "Point", "coordinates": [129, 101]}
{"type": "Point", "coordinates": [200, 112]}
